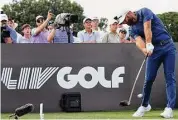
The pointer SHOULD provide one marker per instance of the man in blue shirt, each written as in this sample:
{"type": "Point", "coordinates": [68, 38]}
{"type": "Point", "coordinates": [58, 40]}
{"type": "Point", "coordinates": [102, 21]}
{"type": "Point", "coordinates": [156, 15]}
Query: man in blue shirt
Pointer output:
{"type": "Point", "coordinates": [11, 36]}
{"type": "Point", "coordinates": [60, 35]}
{"type": "Point", "coordinates": [153, 40]}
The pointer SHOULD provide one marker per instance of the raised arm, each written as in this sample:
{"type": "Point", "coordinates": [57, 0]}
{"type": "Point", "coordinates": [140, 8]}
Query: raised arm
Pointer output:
{"type": "Point", "coordinates": [42, 26]}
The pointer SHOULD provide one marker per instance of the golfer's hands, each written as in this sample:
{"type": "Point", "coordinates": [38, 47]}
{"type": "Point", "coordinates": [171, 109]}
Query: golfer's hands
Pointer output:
{"type": "Point", "coordinates": [149, 49]}
{"type": "Point", "coordinates": [148, 52]}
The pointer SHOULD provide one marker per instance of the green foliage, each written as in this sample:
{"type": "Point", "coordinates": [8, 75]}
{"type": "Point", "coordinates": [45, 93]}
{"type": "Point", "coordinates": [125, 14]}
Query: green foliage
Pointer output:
{"type": "Point", "coordinates": [25, 11]}
{"type": "Point", "coordinates": [103, 23]}
{"type": "Point", "coordinates": [170, 20]}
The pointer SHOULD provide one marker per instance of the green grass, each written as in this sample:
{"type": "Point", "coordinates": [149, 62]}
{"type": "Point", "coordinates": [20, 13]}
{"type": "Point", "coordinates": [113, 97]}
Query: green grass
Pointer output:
{"type": "Point", "coordinates": [154, 114]}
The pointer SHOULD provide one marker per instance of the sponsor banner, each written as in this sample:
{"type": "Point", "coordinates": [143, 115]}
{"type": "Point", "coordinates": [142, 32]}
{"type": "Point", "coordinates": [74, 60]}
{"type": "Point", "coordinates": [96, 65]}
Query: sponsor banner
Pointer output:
{"type": "Point", "coordinates": [35, 78]}
{"type": "Point", "coordinates": [102, 73]}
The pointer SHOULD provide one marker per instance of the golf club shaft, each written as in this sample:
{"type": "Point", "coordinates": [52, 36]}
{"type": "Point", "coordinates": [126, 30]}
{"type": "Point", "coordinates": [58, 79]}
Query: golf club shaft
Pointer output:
{"type": "Point", "coordinates": [136, 79]}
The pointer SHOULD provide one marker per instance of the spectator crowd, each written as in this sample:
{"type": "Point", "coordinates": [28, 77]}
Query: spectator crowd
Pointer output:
{"type": "Point", "coordinates": [46, 32]}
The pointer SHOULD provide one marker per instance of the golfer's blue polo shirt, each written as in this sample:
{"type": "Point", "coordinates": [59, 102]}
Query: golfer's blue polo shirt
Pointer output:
{"type": "Point", "coordinates": [159, 32]}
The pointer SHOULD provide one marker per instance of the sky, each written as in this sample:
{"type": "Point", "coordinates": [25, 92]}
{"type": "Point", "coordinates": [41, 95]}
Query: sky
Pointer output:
{"type": "Point", "coordinates": [110, 8]}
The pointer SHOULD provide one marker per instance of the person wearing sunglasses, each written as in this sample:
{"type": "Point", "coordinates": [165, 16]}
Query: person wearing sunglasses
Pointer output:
{"type": "Point", "coordinates": [122, 35]}
{"type": "Point", "coordinates": [88, 35]}
{"type": "Point", "coordinates": [40, 33]}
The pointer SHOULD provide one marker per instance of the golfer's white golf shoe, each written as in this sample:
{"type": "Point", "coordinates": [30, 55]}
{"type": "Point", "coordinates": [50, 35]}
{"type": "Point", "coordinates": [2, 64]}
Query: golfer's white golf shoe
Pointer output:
{"type": "Point", "coordinates": [141, 111]}
{"type": "Point", "coordinates": [168, 113]}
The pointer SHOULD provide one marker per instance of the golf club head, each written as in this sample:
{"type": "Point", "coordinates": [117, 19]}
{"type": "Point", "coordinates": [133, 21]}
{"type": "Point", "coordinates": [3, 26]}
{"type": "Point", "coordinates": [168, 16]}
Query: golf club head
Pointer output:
{"type": "Point", "coordinates": [124, 103]}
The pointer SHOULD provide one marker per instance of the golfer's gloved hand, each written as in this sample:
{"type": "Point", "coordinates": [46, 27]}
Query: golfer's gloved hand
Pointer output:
{"type": "Point", "coordinates": [149, 48]}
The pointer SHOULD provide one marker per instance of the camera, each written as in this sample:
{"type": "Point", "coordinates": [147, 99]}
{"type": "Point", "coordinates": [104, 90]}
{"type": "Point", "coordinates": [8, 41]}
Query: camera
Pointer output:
{"type": "Point", "coordinates": [71, 18]}
{"type": "Point", "coordinates": [50, 23]}
{"type": "Point", "coordinates": [65, 19]}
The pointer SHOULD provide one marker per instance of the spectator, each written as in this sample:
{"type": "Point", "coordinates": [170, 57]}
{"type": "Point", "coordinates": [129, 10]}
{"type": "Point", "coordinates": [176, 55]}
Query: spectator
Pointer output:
{"type": "Point", "coordinates": [26, 38]}
{"type": "Point", "coordinates": [112, 36]}
{"type": "Point", "coordinates": [119, 27]}
{"type": "Point", "coordinates": [94, 24]}
{"type": "Point", "coordinates": [8, 35]}
{"type": "Point", "coordinates": [88, 35]}
{"type": "Point", "coordinates": [14, 25]}
{"type": "Point", "coordinates": [60, 35]}
{"type": "Point", "coordinates": [122, 34]}
{"type": "Point", "coordinates": [40, 34]}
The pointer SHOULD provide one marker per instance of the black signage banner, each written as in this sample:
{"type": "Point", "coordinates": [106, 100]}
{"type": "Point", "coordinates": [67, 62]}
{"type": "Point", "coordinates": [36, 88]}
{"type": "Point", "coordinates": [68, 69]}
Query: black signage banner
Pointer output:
{"type": "Point", "coordinates": [102, 73]}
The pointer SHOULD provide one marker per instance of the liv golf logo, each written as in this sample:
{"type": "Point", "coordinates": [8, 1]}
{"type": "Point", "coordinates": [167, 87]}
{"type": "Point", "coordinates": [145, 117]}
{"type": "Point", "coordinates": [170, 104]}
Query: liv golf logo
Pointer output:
{"type": "Point", "coordinates": [35, 78]}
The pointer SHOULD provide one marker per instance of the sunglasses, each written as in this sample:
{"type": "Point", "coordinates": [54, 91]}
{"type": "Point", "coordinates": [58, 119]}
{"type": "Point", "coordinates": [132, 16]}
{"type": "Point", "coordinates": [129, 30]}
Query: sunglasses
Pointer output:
{"type": "Point", "coordinates": [40, 20]}
{"type": "Point", "coordinates": [123, 32]}
{"type": "Point", "coordinates": [88, 22]}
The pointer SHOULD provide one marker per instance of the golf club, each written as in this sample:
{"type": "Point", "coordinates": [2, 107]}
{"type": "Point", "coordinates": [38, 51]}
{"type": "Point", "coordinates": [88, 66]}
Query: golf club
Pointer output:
{"type": "Point", "coordinates": [126, 102]}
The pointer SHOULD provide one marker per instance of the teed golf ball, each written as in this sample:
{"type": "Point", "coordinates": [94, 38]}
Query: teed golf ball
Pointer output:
{"type": "Point", "coordinates": [139, 95]}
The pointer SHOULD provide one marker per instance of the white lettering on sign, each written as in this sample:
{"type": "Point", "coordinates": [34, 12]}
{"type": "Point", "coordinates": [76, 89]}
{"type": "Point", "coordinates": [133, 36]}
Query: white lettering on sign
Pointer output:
{"type": "Point", "coordinates": [97, 76]}
{"type": "Point", "coordinates": [35, 78]}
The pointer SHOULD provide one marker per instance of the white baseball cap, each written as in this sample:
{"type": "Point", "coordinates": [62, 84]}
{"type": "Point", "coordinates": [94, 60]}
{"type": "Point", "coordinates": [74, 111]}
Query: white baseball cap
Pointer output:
{"type": "Point", "coordinates": [39, 16]}
{"type": "Point", "coordinates": [3, 17]}
{"type": "Point", "coordinates": [84, 20]}
{"type": "Point", "coordinates": [121, 16]}
{"type": "Point", "coordinates": [112, 21]}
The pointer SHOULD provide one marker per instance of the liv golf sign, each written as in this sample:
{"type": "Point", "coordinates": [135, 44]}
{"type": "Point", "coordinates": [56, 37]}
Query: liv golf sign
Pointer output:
{"type": "Point", "coordinates": [36, 77]}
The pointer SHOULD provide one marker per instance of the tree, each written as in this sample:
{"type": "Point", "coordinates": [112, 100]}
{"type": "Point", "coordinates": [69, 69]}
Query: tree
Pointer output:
{"type": "Point", "coordinates": [25, 11]}
{"type": "Point", "coordinates": [103, 24]}
{"type": "Point", "coordinates": [170, 20]}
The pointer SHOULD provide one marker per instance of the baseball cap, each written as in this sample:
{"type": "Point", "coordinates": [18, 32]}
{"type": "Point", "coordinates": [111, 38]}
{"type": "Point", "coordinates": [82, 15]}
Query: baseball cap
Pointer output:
{"type": "Point", "coordinates": [39, 16]}
{"type": "Point", "coordinates": [3, 17]}
{"type": "Point", "coordinates": [121, 16]}
{"type": "Point", "coordinates": [112, 21]}
{"type": "Point", "coordinates": [123, 30]}
{"type": "Point", "coordinates": [84, 20]}
{"type": "Point", "coordinates": [25, 26]}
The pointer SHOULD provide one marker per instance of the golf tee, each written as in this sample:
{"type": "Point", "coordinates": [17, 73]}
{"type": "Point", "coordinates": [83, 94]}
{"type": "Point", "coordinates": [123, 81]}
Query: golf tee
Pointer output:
{"type": "Point", "coordinates": [41, 112]}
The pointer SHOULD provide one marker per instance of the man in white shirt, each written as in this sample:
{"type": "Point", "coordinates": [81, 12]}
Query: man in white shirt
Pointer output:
{"type": "Point", "coordinates": [95, 27]}
{"type": "Point", "coordinates": [88, 35]}
{"type": "Point", "coordinates": [26, 38]}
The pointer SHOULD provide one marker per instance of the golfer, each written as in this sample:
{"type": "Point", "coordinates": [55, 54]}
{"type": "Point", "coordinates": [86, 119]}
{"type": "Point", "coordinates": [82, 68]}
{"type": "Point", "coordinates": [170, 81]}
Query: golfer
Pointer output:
{"type": "Point", "coordinates": [153, 40]}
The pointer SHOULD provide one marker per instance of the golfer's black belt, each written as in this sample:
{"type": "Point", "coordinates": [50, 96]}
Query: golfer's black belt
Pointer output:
{"type": "Point", "coordinates": [162, 42]}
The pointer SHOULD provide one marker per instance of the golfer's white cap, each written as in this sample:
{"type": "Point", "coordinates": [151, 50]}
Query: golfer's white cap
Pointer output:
{"type": "Point", "coordinates": [121, 16]}
{"type": "Point", "coordinates": [3, 17]}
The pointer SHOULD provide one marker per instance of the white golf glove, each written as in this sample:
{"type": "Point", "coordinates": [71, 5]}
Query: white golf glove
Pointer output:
{"type": "Point", "coordinates": [149, 47]}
